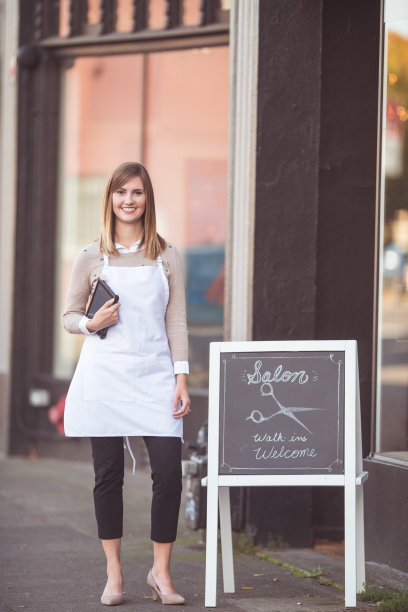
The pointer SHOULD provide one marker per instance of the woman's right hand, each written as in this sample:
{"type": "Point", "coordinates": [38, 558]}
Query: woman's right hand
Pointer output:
{"type": "Point", "coordinates": [106, 316]}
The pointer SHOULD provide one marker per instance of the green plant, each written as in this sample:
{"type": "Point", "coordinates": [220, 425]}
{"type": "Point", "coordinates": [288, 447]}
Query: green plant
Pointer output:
{"type": "Point", "coordinates": [244, 544]}
{"type": "Point", "coordinates": [398, 603]}
{"type": "Point", "coordinates": [322, 580]}
{"type": "Point", "coordinates": [275, 542]}
{"type": "Point", "coordinates": [374, 593]}
{"type": "Point", "coordinates": [391, 601]}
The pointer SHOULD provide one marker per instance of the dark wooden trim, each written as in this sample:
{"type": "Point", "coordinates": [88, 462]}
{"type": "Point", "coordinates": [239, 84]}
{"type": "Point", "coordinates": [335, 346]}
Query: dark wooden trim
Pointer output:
{"type": "Point", "coordinates": [38, 104]}
{"type": "Point", "coordinates": [155, 46]}
{"type": "Point", "coordinates": [38, 20]}
{"type": "Point", "coordinates": [108, 16]}
{"type": "Point", "coordinates": [139, 42]}
{"type": "Point", "coordinates": [26, 20]}
{"type": "Point", "coordinates": [140, 15]}
{"type": "Point", "coordinates": [208, 11]}
{"type": "Point", "coordinates": [174, 11]}
{"type": "Point", "coordinates": [19, 361]}
{"type": "Point", "coordinates": [78, 17]}
{"type": "Point", "coordinates": [50, 18]}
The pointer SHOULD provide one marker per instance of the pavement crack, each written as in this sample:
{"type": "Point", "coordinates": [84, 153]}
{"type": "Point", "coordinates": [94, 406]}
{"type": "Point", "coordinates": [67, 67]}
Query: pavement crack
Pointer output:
{"type": "Point", "coordinates": [301, 573]}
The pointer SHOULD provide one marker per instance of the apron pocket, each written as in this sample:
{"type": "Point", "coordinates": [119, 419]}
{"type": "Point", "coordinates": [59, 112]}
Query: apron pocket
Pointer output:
{"type": "Point", "coordinates": [158, 382]}
{"type": "Point", "coordinates": [111, 376]}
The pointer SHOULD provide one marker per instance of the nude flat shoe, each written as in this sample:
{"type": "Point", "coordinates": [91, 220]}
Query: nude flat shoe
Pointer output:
{"type": "Point", "coordinates": [111, 600]}
{"type": "Point", "coordinates": [169, 599]}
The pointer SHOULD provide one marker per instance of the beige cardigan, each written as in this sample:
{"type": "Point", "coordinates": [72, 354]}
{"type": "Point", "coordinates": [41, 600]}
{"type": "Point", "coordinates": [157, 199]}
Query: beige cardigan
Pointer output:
{"type": "Point", "coordinates": [85, 273]}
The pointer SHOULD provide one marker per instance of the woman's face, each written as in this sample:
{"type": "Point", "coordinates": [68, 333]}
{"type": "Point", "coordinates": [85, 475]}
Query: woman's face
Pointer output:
{"type": "Point", "coordinates": [129, 201]}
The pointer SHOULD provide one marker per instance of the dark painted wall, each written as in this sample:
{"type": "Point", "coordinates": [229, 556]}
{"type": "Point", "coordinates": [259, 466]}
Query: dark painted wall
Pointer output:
{"type": "Point", "coordinates": [315, 197]}
{"type": "Point", "coordinates": [386, 516]}
{"type": "Point", "coordinates": [286, 217]}
{"type": "Point", "coordinates": [287, 169]}
{"type": "Point", "coordinates": [347, 181]}
{"type": "Point", "coordinates": [347, 203]}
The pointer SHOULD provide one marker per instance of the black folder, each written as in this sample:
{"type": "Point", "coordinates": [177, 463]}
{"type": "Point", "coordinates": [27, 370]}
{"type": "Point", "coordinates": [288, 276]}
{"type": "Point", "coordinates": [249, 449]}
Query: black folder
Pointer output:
{"type": "Point", "coordinates": [100, 296]}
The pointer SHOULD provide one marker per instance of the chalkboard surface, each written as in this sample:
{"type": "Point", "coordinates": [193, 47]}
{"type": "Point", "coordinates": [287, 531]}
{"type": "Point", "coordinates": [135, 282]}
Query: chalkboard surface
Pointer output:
{"type": "Point", "coordinates": [282, 413]}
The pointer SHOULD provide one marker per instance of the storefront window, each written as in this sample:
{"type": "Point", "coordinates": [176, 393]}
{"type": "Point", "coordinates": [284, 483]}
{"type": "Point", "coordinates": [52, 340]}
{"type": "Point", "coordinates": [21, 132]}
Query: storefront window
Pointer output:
{"type": "Point", "coordinates": [392, 392]}
{"type": "Point", "coordinates": [168, 110]}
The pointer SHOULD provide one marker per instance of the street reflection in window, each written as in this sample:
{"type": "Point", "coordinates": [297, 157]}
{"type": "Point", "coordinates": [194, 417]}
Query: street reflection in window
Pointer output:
{"type": "Point", "coordinates": [392, 405]}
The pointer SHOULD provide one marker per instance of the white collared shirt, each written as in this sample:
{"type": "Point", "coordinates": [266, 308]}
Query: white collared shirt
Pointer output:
{"type": "Point", "coordinates": [132, 249]}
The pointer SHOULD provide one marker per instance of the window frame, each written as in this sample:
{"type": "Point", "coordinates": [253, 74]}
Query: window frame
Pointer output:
{"type": "Point", "coordinates": [390, 13]}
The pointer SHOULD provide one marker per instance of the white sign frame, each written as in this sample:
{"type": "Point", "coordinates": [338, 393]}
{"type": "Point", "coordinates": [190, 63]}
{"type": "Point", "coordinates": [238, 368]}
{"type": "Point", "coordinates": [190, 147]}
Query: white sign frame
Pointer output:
{"type": "Point", "coordinates": [352, 479]}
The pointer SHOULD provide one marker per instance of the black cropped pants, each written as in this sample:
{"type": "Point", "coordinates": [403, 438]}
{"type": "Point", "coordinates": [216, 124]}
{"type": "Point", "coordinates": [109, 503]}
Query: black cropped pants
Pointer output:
{"type": "Point", "coordinates": [165, 462]}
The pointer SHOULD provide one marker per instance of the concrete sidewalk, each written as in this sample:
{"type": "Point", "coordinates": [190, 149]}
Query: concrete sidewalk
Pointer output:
{"type": "Point", "coordinates": [52, 560]}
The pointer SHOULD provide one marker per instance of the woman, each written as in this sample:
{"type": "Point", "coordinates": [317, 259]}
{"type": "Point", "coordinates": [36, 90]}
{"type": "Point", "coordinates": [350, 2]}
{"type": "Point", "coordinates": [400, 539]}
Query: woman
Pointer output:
{"type": "Point", "coordinates": [133, 382]}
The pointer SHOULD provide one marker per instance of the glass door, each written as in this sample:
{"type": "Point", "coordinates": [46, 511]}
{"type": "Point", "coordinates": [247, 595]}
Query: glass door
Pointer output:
{"type": "Point", "coordinates": [169, 111]}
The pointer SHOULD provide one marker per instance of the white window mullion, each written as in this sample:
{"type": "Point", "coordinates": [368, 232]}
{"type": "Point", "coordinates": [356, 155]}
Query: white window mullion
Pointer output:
{"type": "Point", "coordinates": [242, 148]}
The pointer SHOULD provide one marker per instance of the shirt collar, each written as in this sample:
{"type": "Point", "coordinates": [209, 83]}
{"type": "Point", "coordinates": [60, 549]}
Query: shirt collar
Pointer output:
{"type": "Point", "coordinates": [122, 249]}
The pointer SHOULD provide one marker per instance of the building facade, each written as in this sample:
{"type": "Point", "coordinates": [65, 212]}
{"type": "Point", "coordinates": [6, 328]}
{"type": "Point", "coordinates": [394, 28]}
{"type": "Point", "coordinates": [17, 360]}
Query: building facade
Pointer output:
{"type": "Point", "coordinates": [277, 135]}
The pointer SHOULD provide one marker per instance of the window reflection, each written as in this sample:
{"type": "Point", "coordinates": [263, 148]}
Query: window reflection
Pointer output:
{"type": "Point", "coordinates": [392, 421]}
{"type": "Point", "coordinates": [168, 110]}
{"type": "Point", "coordinates": [191, 12]}
{"type": "Point", "coordinates": [157, 14]}
{"type": "Point", "coordinates": [100, 128]}
{"type": "Point", "coordinates": [186, 153]}
{"type": "Point", "coordinates": [124, 21]}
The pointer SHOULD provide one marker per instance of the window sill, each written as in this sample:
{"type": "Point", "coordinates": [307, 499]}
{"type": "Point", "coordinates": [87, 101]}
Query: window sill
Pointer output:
{"type": "Point", "coordinates": [391, 458]}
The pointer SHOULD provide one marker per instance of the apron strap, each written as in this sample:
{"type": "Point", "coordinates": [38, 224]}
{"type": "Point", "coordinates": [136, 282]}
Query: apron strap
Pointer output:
{"type": "Point", "coordinates": [164, 279]}
{"type": "Point", "coordinates": [126, 445]}
{"type": "Point", "coordinates": [105, 259]}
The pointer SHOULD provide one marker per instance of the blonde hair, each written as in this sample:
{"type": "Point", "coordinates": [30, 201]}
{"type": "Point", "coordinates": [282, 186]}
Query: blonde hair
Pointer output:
{"type": "Point", "coordinates": [153, 243]}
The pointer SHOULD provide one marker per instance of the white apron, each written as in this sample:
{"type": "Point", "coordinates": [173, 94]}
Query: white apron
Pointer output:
{"type": "Point", "coordinates": [124, 385]}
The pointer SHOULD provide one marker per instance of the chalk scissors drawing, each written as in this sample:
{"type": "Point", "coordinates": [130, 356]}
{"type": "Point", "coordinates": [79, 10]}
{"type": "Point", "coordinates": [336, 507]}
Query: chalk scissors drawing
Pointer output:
{"type": "Point", "coordinates": [257, 417]}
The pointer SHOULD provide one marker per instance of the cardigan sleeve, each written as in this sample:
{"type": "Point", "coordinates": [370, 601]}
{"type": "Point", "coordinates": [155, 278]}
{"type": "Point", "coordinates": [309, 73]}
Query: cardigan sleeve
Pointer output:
{"type": "Point", "coordinates": [83, 277]}
{"type": "Point", "coordinates": [176, 323]}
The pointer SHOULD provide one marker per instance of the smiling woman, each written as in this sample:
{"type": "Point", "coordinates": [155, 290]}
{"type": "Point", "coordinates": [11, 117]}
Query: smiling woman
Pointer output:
{"type": "Point", "coordinates": [129, 202]}
{"type": "Point", "coordinates": [134, 382]}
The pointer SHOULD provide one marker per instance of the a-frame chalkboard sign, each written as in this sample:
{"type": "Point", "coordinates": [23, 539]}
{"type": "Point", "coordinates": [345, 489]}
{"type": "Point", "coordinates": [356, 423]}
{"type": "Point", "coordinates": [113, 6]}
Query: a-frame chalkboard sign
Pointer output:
{"type": "Point", "coordinates": [284, 414]}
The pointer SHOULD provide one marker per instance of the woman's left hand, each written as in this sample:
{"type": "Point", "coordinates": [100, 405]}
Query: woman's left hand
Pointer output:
{"type": "Point", "coordinates": [181, 395]}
